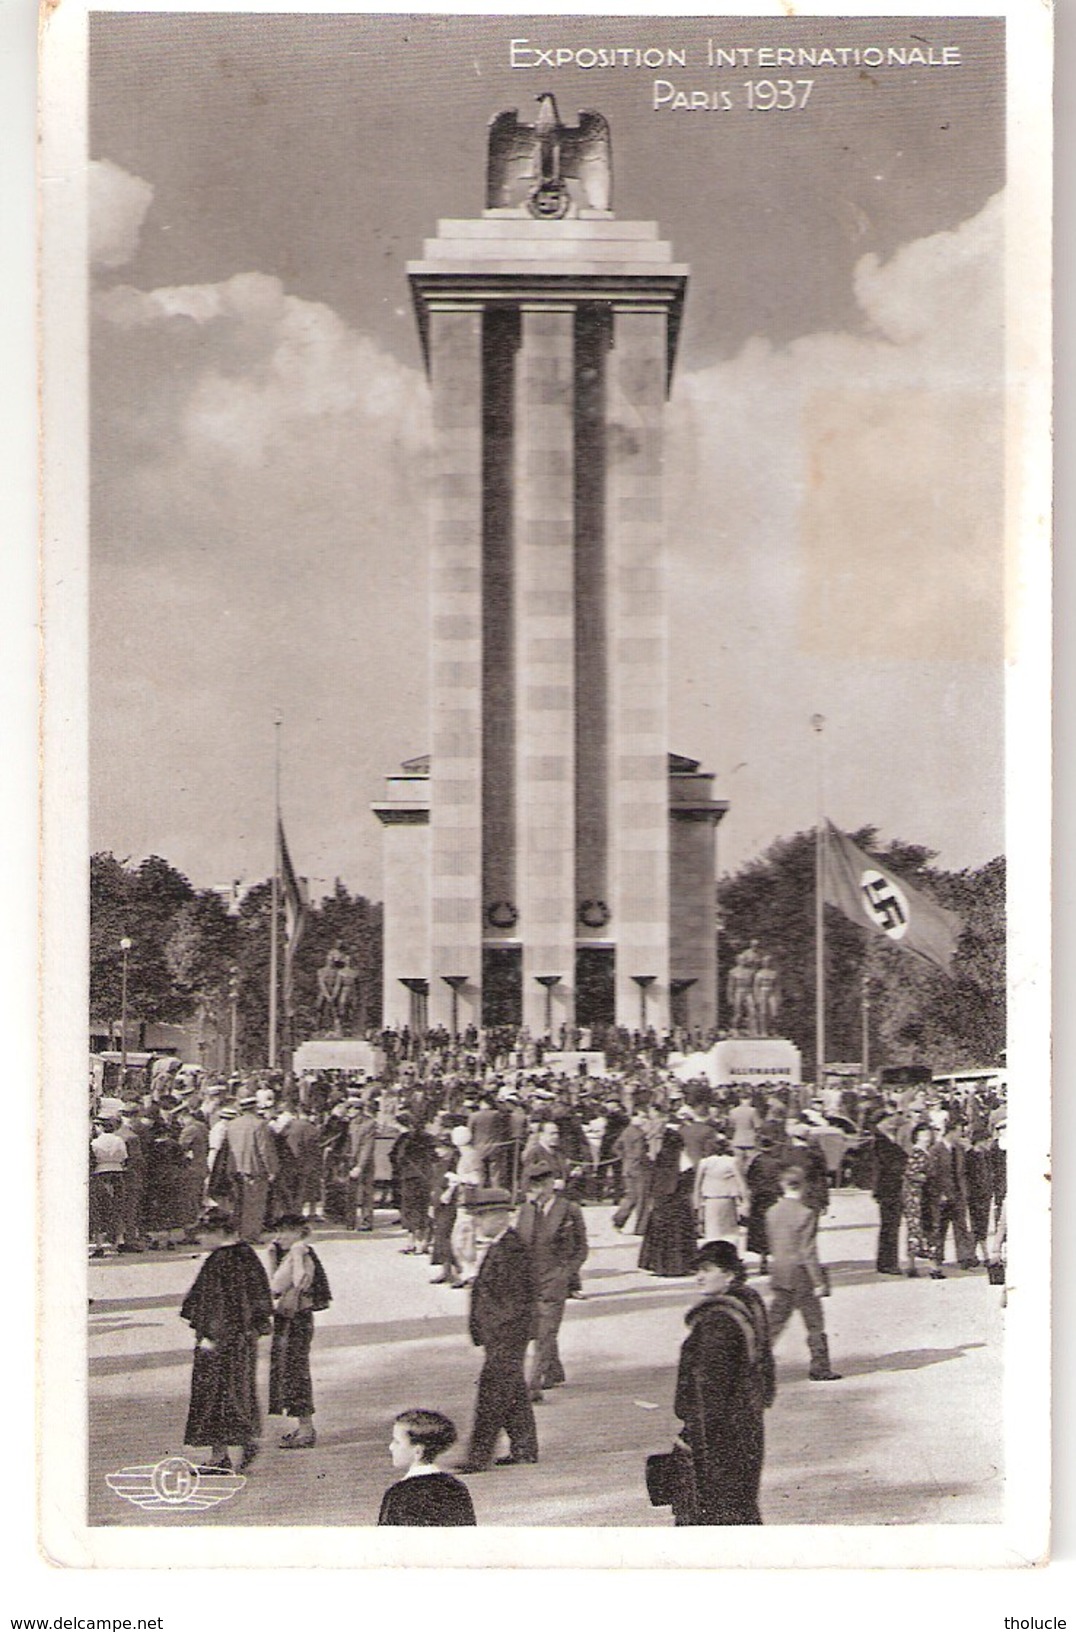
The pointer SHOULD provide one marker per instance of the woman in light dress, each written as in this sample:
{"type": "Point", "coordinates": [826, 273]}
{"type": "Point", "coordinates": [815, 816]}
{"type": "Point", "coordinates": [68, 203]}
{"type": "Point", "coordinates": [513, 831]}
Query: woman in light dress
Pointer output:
{"type": "Point", "coordinates": [720, 1194]}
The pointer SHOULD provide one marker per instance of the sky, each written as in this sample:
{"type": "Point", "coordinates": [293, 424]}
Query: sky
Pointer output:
{"type": "Point", "coordinates": [260, 434]}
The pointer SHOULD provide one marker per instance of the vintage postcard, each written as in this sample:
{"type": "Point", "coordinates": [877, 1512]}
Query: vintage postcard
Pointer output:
{"type": "Point", "coordinates": [546, 846]}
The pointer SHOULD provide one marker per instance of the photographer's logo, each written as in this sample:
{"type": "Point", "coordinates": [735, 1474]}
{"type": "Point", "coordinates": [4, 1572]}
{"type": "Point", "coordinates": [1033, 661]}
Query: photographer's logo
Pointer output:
{"type": "Point", "coordinates": [174, 1483]}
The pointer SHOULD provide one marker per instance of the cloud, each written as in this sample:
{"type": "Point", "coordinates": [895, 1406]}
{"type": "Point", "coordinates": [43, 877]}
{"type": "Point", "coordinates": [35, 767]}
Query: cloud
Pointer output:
{"type": "Point", "coordinates": [260, 531]}
{"type": "Point", "coordinates": [836, 526]}
{"type": "Point", "coordinates": [942, 292]}
{"type": "Point", "coordinates": [267, 370]}
{"type": "Point", "coordinates": [118, 205]}
{"type": "Point", "coordinates": [863, 468]}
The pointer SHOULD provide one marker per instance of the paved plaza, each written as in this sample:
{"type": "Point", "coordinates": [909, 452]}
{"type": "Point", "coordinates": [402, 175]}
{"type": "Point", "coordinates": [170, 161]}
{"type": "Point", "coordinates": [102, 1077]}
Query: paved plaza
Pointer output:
{"type": "Point", "coordinates": [911, 1435]}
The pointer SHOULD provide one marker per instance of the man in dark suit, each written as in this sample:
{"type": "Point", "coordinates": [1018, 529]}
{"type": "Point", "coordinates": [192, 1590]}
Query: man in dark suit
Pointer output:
{"type": "Point", "coordinates": [552, 1226]}
{"type": "Point", "coordinates": [489, 1131]}
{"type": "Point", "coordinates": [890, 1160]}
{"type": "Point", "coordinates": [362, 1150]}
{"type": "Point", "coordinates": [698, 1134]}
{"type": "Point", "coordinates": [503, 1305]}
{"type": "Point", "coordinates": [945, 1167]}
{"type": "Point", "coordinates": [633, 1148]}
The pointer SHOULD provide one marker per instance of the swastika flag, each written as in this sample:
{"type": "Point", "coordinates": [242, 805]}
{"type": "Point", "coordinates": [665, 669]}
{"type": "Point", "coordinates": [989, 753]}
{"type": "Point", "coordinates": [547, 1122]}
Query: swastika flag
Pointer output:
{"type": "Point", "coordinates": [872, 896]}
{"type": "Point", "coordinates": [294, 917]}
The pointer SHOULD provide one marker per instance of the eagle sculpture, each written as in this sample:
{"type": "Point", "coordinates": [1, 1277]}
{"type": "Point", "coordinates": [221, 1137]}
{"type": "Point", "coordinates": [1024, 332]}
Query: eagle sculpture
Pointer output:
{"type": "Point", "coordinates": [547, 168]}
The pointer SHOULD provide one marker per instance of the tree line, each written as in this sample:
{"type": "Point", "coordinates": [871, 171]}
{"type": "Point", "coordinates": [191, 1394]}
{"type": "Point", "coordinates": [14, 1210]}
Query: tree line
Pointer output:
{"type": "Point", "coordinates": [191, 948]}
{"type": "Point", "coordinates": [916, 1013]}
{"type": "Point", "coordinates": [194, 952]}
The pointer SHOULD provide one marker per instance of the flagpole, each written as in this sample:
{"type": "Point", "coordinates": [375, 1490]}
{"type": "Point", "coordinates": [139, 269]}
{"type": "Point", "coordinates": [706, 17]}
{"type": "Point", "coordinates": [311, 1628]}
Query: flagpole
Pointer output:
{"type": "Point", "coordinates": [274, 927]}
{"type": "Point", "coordinates": [818, 722]}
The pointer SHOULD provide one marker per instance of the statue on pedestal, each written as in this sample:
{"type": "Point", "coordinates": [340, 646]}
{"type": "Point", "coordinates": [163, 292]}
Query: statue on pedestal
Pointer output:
{"type": "Point", "coordinates": [766, 992]}
{"type": "Point", "coordinates": [740, 992]}
{"type": "Point", "coordinates": [326, 1012]}
{"type": "Point", "coordinates": [345, 992]}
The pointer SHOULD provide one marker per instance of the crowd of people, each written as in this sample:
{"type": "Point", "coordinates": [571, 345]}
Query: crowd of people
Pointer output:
{"type": "Point", "coordinates": [488, 1169]}
{"type": "Point", "coordinates": [679, 1160]}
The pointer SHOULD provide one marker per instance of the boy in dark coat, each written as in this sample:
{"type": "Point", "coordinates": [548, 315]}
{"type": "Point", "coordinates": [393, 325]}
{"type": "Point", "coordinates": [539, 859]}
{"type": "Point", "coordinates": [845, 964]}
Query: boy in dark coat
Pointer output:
{"type": "Point", "coordinates": [425, 1495]}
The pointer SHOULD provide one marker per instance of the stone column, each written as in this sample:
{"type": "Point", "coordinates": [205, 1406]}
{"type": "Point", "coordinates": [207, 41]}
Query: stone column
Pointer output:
{"type": "Point", "coordinates": [545, 689]}
{"type": "Point", "coordinates": [455, 358]}
{"type": "Point", "coordinates": [638, 797]}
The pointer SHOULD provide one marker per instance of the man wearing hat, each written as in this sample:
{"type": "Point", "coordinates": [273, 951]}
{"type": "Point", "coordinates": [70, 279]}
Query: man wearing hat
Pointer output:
{"type": "Point", "coordinates": [892, 1136]}
{"type": "Point", "coordinates": [803, 1153]}
{"type": "Point", "coordinates": [252, 1163]}
{"type": "Point", "coordinates": [797, 1278]}
{"type": "Point", "coordinates": [552, 1227]}
{"type": "Point", "coordinates": [362, 1151]}
{"type": "Point", "coordinates": [489, 1130]}
{"type": "Point", "coordinates": [633, 1148]}
{"type": "Point", "coordinates": [503, 1305]}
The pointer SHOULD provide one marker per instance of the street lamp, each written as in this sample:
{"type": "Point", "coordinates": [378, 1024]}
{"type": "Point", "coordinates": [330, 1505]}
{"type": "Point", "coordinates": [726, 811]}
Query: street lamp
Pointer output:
{"type": "Point", "coordinates": [233, 1029]}
{"type": "Point", "coordinates": [643, 981]}
{"type": "Point", "coordinates": [455, 983]}
{"type": "Point", "coordinates": [548, 981]}
{"type": "Point", "coordinates": [125, 947]}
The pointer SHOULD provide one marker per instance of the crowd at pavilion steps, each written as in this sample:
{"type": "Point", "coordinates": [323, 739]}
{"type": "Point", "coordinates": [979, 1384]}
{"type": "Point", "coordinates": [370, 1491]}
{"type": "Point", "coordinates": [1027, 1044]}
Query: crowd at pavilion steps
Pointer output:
{"type": "Point", "coordinates": [403, 1150]}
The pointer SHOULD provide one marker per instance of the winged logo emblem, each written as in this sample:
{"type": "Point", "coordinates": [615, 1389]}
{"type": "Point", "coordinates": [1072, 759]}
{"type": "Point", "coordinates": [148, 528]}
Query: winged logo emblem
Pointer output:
{"type": "Point", "coordinates": [173, 1483]}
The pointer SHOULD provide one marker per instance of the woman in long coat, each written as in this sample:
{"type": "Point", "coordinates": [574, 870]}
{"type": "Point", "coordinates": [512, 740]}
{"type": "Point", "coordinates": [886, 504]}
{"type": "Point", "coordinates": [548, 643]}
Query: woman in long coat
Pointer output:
{"type": "Point", "coordinates": [724, 1384]}
{"type": "Point", "coordinates": [230, 1306]}
{"type": "Point", "coordinates": [168, 1190]}
{"type": "Point", "coordinates": [669, 1241]}
{"type": "Point", "coordinates": [414, 1154]}
{"type": "Point", "coordinates": [764, 1189]}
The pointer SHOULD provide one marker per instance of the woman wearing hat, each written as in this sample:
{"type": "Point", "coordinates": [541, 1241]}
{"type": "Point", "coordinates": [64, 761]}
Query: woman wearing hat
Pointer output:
{"type": "Point", "coordinates": [724, 1384]}
{"type": "Point", "coordinates": [669, 1242]}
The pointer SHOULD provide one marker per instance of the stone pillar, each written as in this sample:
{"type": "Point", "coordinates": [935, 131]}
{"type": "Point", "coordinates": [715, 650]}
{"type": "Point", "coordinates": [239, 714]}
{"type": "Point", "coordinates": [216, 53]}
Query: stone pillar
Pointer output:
{"type": "Point", "coordinates": [545, 689]}
{"type": "Point", "coordinates": [455, 360]}
{"type": "Point", "coordinates": [638, 795]}
{"type": "Point", "coordinates": [693, 914]}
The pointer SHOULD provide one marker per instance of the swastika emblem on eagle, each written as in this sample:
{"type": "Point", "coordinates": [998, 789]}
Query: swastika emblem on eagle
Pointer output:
{"type": "Point", "coordinates": [885, 904]}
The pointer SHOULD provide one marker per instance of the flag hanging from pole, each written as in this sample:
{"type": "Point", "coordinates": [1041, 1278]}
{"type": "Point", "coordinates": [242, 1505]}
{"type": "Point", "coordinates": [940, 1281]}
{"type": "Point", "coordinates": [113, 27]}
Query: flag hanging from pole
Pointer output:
{"type": "Point", "coordinates": [877, 899]}
{"type": "Point", "coordinates": [294, 917]}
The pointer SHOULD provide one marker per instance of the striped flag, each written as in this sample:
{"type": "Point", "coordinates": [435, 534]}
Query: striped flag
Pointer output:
{"type": "Point", "coordinates": [878, 900]}
{"type": "Point", "coordinates": [294, 889]}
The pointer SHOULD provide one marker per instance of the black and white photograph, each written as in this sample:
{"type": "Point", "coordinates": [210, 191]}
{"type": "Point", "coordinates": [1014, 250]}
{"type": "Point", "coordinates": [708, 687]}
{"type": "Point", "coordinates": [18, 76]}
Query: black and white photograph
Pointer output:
{"type": "Point", "coordinates": [546, 773]}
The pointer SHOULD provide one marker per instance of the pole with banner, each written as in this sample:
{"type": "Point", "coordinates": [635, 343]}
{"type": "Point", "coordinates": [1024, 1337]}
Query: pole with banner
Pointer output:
{"type": "Point", "coordinates": [274, 910]}
{"type": "Point", "coordinates": [817, 723]}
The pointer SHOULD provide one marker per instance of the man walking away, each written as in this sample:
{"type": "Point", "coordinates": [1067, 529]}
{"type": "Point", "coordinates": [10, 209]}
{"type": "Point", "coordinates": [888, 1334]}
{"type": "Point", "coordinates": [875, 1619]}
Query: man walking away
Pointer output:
{"type": "Point", "coordinates": [503, 1305]}
{"type": "Point", "coordinates": [253, 1164]}
{"type": "Point", "coordinates": [633, 1148]}
{"type": "Point", "coordinates": [797, 1279]}
{"type": "Point", "coordinates": [552, 1226]}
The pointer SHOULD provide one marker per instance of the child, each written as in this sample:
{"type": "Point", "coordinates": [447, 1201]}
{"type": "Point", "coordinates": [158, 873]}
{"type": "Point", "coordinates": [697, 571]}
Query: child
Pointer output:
{"type": "Point", "coordinates": [299, 1286]}
{"type": "Point", "coordinates": [425, 1495]}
